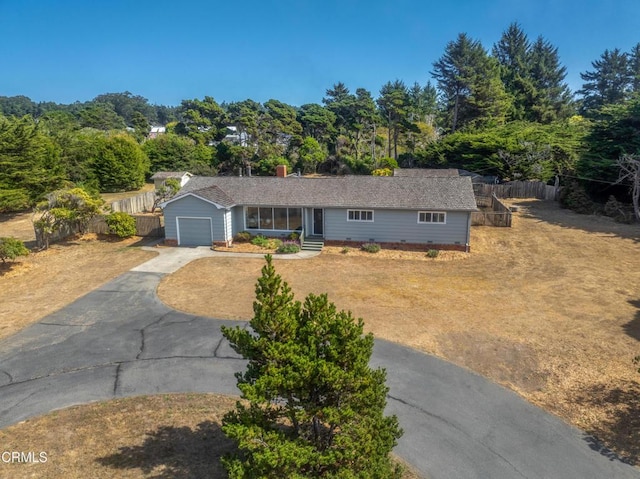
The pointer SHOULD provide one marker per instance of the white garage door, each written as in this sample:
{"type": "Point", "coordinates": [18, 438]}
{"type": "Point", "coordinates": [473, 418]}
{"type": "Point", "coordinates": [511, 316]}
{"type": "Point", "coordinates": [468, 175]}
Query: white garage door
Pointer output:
{"type": "Point", "coordinates": [194, 231]}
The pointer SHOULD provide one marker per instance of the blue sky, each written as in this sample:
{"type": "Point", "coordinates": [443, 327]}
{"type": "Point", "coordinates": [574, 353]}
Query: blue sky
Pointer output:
{"type": "Point", "coordinates": [166, 51]}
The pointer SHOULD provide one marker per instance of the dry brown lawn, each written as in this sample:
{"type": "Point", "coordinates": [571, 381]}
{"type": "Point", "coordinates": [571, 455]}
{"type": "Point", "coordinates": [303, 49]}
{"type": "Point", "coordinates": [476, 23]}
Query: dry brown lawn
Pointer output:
{"type": "Point", "coordinates": [163, 436]}
{"type": "Point", "coordinates": [549, 308]}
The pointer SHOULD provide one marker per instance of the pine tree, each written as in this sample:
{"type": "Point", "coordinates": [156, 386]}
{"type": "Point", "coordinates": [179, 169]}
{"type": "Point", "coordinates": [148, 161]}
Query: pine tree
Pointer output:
{"type": "Point", "coordinates": [469, 82]}
{"type": "Point", "coordinates": [608, 83]}
{"type": "Point", "coordinates": [393, 103]}
{"type": "Point", "coordinates": [552, 99]}
{"type": "Point", "coordinates": [315, 408]}
{"type": "Point", "coordinates": [634, 68]}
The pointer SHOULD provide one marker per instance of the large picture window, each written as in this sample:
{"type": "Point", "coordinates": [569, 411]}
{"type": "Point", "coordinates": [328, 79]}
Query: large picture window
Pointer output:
{"type": "Point", "coordinates": [278, 219]}
{"type": "Point", "coordinates": [432, 217]}
{"type": "Point", "coordinates": [360, 215]}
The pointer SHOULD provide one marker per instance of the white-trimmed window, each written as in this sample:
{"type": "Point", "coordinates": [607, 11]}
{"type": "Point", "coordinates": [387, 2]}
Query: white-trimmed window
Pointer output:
{"type": "Point", "coordinates": [432, 217]}
{"type": "Point", "coordinates": [268, 218]}
{"type": "Point", "coordinates": [360, 215]}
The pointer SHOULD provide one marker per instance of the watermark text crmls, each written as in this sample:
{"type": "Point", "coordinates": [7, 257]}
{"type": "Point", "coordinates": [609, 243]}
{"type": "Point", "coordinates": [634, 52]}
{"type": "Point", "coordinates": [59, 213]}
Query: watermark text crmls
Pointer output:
{"type": "Point", "coordinates": [22, 457]}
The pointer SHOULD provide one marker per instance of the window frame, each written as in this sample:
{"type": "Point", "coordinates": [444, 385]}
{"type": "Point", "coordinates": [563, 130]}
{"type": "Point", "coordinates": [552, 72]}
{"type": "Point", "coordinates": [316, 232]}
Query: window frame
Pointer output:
{"type": "Point", "coordinates": [272, 221]}
{"type": "Point", "coordinates": [431, 215]}
{"type": "Point", "coordinates": [360, 214]}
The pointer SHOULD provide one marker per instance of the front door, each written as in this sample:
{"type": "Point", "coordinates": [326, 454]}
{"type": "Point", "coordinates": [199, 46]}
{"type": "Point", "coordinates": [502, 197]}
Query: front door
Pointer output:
{"type": "Point", "coordinates": [318, 221]}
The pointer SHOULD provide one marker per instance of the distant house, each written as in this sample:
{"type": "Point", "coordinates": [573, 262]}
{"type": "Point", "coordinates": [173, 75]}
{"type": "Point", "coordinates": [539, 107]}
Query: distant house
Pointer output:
{"type": "Point", "coordinates": [161, 176]}
{"type": "Point", "coordinates": [237, 138]}
{"type": "Point", "coordinates": [405, 212]}
{"type": "Point", "coordinates": [157, 131]}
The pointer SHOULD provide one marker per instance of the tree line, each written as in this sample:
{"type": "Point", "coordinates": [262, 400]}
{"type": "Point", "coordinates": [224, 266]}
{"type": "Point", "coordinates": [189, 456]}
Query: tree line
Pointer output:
{"type": "Point", "coordinates": [506, 111]}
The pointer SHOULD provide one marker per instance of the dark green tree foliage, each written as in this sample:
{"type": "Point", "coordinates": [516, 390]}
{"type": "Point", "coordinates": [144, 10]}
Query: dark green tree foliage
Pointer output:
{"type": "Point", "coordinates": [245, 116]}
{"type": "Point", "coordinates": [311, 154]}
{"type": "Point", "coordinates": [552, 99]}
{"type": "Point", "coordinates": [126, 105]}
{"type": "Point", "coordinates": [469, 81]}
{"type": "Point", "coordinates": [532, 150]}
{"type": "Point", "coordinates": [512, 52]}
{"type": "Point", "coordinates": [29, 164]}
{"type": "Point", "coordinates": [172, 152]}
{"type": "Point", "coordinates": [202, 120]}
{"type": "Point", "coordinates": [118, 164]}
{"type": "Point", "coordinates": [616, 133]}
{"type": "Point", "coordinates": [317, 122]}
{"type": "Point", "coordinates": [315, 407]}
{"type": "Point", "coordinates": [100, 116]}
{"type": "Point", "coordinates": [339, 100]}
{"type": "Point", "coordinates": [634, 68]}
{"type": "Point", "coordinates": [423, 102]}
{"type": "Point", "coordinates": [393, 103]}
{"type": "Point", "coordinates": [17, 106]}
{"type": "Point", "coordinates": [608, 83]}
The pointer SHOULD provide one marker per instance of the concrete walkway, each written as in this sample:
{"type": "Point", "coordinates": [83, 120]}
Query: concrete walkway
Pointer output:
{"type": "Point", "coordinates": [120, 340]}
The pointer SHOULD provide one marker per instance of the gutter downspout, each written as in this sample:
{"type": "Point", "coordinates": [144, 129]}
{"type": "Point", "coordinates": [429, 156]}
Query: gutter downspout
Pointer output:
{"type": "Point", "coordinates": [466, 248]}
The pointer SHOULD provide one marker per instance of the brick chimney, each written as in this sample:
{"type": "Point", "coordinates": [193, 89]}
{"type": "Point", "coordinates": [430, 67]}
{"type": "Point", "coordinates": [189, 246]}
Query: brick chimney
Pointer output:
{"type": "Point", "coordinates": [281, 171]}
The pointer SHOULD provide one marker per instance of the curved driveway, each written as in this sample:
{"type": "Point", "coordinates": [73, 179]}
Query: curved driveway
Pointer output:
{"type": "Point", "coordinates": [120, 340]}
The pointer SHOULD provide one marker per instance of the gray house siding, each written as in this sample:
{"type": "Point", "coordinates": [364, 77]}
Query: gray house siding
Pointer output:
{"type": "Point", "coordinates": [396, 226]}
{"type": "Point", "coordinates": [189, 207]}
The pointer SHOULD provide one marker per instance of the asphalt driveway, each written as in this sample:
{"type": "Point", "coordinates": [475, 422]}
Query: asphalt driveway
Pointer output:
{"type": "Point", "coordinates": [120, 340]}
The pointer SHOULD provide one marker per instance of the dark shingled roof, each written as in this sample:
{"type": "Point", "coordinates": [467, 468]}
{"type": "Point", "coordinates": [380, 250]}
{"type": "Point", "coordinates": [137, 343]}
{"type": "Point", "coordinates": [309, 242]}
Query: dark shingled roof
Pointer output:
{"type": "Point", "coordinates": [431, 172]}
{"type": "Point", "coordinates": [443, 193]}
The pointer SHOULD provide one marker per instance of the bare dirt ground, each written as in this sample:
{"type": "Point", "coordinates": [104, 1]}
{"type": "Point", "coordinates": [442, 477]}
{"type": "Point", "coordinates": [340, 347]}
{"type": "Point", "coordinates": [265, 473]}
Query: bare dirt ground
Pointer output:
{"type": "Point", "coordinates": [163, 436]}
{"type": "Point", "coordinates": [549, 308]}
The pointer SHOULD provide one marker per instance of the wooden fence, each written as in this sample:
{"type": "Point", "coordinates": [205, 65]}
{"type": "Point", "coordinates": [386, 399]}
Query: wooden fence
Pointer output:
{"type": "Point", "coordinates": [518, 189]}
{"type": "Point", "coordinates": [136, 204]}
{"type": "Point", "coordinates": [499, 214]}
{"type": "Point", "coordinates": [146, 225]}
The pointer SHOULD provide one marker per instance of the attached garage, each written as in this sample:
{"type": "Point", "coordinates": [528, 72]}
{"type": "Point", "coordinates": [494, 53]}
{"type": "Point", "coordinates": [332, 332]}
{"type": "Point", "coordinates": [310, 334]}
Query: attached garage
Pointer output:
{"type": "Point", "coordinates": [194, 231]}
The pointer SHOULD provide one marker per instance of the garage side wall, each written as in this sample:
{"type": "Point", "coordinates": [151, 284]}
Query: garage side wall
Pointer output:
{"type": "Point", "coordinates": [192, 207]}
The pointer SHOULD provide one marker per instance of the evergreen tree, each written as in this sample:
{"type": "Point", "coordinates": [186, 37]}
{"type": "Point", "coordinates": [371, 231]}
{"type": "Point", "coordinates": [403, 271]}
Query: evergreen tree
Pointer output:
{"type": "Point", "coordinates": [315, 407]}
{"type": "Point", "coordinates": [608, 83]}
{"type": "Point", "coordinates": [512, 52]}
{"type": "Point", "coordinates": [470, 85]}
{"type": "Point", "coordinates": [29, 164]}
{"type": "Point", "coordinates": [552, 99]}
{"type": "Point", "coordinates": [393, 103]}
{"type": "Point", "coordinates": [634, 68]}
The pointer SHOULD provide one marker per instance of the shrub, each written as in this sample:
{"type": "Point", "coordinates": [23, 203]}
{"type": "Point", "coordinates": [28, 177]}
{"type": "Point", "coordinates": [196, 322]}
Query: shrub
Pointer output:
{"type": "Point", "coordinates": [268, 243]}
{"type": "Point", "coordinates": [260, 241]}
{"type": "Point", "coordinates": [345, 250]}
{"type": "Point", "coordinates": [620, 212]}
{"type": "Point", "coordinates": [121, 224]}
{"type": "Point", "coordinates": [294, 236]}
{"type": "Point", "coordinates": [288, 247]}
{"type": "Point", "coordinates": [11, 248]}
{"type": "Point", "coordinates": [242, 237]}
{"type": "Point", "coordinates": [574, 197]}
{"type": "Point", "coordinates": [370, 247]}
{"type": "Point", "coordinates": [433, 253]}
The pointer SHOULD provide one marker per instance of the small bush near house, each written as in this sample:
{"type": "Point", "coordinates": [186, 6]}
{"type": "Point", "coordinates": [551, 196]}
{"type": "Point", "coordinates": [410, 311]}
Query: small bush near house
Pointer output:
{"type": "Point", "coordinates": [242, 237]}
{"type": "Point", "coordinates": [260, 241]}
{"type": "Point", "coordinates": [11, 248]}
{"type": "Point", "coordinates": [433, 253]}
{"type": "Point", "coordinates": [288, 247]}
{"type": "Point", "coordinates": [370, 247]}
{"type": "Point", "coordinates": [345, 250]}
{"type": "Point", "coordinates": [293, 236]}
{"type": "Point", "coordinates": [274, 243]}
{"type": "Point", "coordinates": [121, 224]}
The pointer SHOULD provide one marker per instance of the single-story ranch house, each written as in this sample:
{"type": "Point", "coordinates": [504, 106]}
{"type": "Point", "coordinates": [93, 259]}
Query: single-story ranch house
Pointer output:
{"type": "Point", "coordinates": [407, 212]}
